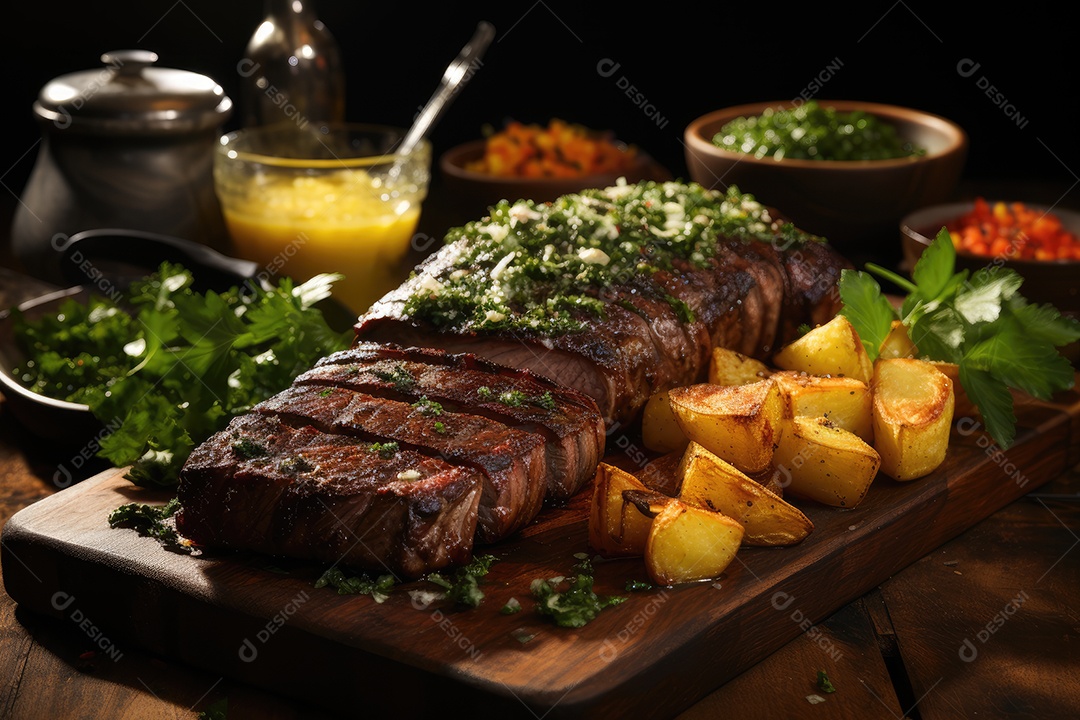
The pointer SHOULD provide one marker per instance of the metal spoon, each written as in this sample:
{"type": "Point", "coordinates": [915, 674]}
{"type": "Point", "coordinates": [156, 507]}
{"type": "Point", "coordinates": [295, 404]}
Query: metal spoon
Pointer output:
{"type": "Point", "coordinates": [453, 79]}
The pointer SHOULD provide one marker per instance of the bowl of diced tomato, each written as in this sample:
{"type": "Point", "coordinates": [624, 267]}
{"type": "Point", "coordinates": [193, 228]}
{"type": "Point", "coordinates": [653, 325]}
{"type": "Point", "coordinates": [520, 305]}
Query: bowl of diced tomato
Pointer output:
{"type": "Point", "coordinates": [1041, 243]}
{"type": "Point", "coordinates": [540, 162]}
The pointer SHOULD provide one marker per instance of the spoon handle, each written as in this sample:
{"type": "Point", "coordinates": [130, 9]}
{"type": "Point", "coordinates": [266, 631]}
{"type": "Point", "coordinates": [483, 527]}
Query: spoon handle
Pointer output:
{"type": "Point", "coordinates": [455, 77]}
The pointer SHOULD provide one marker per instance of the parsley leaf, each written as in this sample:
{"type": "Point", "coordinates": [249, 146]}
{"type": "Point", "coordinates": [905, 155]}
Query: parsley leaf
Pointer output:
{"type": "Point", "coordinates": [980, 321]}
{"type": "Point", "coordinates": [463, 586]}
{"type": "Point", "coordinates": [571, 602]}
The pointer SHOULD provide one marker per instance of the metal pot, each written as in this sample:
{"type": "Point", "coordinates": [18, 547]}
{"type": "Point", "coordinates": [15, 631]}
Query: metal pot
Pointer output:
{"type": "Point", "coordinates": [129, 145]}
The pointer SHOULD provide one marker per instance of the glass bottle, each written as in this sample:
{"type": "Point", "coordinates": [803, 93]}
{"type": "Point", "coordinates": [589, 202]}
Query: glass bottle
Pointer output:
{"type": "Point", "coordinates": [292, 70]}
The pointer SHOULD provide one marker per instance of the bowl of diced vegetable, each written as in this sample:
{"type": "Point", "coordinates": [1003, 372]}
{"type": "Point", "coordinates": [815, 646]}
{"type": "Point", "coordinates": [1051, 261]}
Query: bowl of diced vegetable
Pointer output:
{"type": "Point", "coordinates": [847, 170]}
{"type": "Point", "coordinates": [540, 162]}
{"type": "Point", "coordinates": [1040, 243]}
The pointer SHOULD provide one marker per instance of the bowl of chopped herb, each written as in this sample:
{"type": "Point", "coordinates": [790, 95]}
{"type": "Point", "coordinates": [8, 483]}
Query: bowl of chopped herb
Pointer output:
{"type": "Point", "coordinates": [846, 170]}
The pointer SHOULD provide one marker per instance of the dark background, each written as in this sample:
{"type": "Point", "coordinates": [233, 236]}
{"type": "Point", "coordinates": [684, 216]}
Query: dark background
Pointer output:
{"type": "Point", "coordinates": [684, 60]}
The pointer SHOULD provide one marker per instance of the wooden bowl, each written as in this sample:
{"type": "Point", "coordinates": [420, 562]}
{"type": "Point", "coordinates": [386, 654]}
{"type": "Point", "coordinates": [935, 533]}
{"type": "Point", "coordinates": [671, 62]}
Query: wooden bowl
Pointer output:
{"type": "Point", "coordinates": [1051, 281]}
{"type": "Point", "coordinates": [849, 202]}
{"type": "Point", "coordinates": [473, 193]}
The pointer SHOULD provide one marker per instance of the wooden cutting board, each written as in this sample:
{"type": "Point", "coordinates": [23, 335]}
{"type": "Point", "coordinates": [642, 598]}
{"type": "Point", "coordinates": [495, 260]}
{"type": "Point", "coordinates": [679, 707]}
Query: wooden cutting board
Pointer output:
{"type": "Point", "coordinates": [263, 621]}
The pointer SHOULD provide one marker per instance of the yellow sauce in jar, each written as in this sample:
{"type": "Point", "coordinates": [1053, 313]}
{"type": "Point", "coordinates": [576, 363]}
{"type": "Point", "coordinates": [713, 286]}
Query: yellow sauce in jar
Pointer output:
{"type": "Point", "coordinates": [332, 223]}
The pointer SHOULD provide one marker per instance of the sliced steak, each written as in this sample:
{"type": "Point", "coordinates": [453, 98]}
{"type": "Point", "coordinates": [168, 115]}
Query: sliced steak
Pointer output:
{"type": "Point", "coordinates": [440, 383]}
{"type": "Point", "coordinates": [511, 460]}
{"type": "Point", "coordinates": [268, 486]}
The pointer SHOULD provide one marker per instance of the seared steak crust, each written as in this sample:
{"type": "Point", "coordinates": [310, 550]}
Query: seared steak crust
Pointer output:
{"type": "Point", "coordinates": [268, 486]}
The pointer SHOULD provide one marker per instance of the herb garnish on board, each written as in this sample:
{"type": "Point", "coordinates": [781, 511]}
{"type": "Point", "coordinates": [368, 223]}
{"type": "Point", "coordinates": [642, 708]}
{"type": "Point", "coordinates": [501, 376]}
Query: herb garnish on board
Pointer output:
{"type": "Point", "coordinates": [979, 320]}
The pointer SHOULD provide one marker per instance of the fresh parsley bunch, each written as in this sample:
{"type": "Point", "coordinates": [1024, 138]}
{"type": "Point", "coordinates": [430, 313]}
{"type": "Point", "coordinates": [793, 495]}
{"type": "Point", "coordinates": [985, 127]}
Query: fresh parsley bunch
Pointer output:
{"type": "Point", "coordinates": [979, 321]}
{"type": "Point", "coordinates": [197, 359]}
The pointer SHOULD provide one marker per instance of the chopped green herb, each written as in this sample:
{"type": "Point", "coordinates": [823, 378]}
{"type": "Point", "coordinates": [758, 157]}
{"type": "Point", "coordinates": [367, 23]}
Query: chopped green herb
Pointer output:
{"type": "Point", "coordinates": [463, 585]}
{"type": "Point", "coordinates": [485, 392]}
{"type": "Point", "coordinates": [440, 427]}
{"type": "Point", "coordinates": [217, 710]}
{"type": "Point", "coordinates": [327, 392]}
{"type": "Point", "coordinates": [636, 585]}
{"type": "Point", "coordinates": [398, 376]}
{"type": "Point", "coordinates": [545, 401]}
{"type": "Point", "coordinates": [823, 682]}
{"type": "Point", "coordinates": [385, 450]}
{"type": "Point", "coordinates": [428, 407]}
{"type": "Point", "coordinates": [513, 398]}
{"type": "Point", "coordinates": [571, 602]}
{"type": "Point", "coordinates": [979, 321]}
{"type": "Point", "coordinates": [378, 587]}
{"type": "Point", "coordinates": [151, 521]}
{"type": "Point", "coordinates": [512, 607]}
{"type": "Point", "coordinates": [248, 448]}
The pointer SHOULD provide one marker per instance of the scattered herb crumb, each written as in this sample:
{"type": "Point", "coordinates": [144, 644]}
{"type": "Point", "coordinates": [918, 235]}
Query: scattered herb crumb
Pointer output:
{"type": "Point", "coordinates": [152, 521]}
{"type": "Point", "coordinates": [823, 682]}
{"type": "Point", "coordinates": [440, 427]}
{"type": "Point", "coordinates": [571, 602]}
{"type": "Point", "coordinates": [327, 392]}
{"type": "Point", "coordinates": [398, 376]}
{"type": "Point", "coordinates": [637, 585]}
{"type": "Point", "coordinates": [427, 407]}
{"type": "Point", "coordinates": [385, 450]}
{"type": "Point", "coordinates": [463, 585]}
{"type": "Point", "coordinates": [217, 710]}
{"type": "Point", "coordinates": [511, 607]}
{"type": "Point", "coordinates": [248, 448]}
{"type": "Point", "coordinates": [378, 587]}
{"type": "Point", "coordinates": [522, 635]}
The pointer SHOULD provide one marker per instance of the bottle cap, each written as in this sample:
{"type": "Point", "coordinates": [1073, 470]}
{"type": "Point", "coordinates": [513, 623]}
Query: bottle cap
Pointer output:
{"type": "Point", "coordinates": [129, 94]}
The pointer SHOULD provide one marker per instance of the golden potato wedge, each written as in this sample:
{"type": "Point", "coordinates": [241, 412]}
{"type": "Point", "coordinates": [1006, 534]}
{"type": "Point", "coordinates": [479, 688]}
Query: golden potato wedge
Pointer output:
{"type": "Point", "coordinates": [660, 431]}
{"type": "Point", "coordinates": [606, 510]}
{"type": "Point", "coordinates": [688, 543]}
{"type": "Point", "coordinates": [913, 412]}
{"type": "Point", "coordinates": [729, 367]}
{"type": "Point", "coordinates": [830, 349]}
{"type": "Point", "coordinates": [897, 343]}
{"type": "Point", "coordinates": [772, 480]}
{"type": "Point", "coordinates": [662, 473]}
{"type": "Point", "coordinates": [768, 520]}
{"type": "Point", "coordinates": [740, 423]}
{"type": "Point", "coordinates": [845, 401]}
{"type": "Point", "coordinates": [825, 463]}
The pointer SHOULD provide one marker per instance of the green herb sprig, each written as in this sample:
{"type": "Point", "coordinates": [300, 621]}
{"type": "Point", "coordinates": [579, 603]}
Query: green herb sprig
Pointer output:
{"type": "Point", "coordinates": [174, 365]}
{"type": "Point", "coordinates": [979, 321]}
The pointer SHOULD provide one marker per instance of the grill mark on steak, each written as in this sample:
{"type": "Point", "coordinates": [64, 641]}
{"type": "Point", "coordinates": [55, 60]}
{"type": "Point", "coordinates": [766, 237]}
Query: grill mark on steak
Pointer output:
{"type": "Point", "coordinates": [573, 429]}
{"type": "Point", "coordinates": [328, 498]}
{"type": "Point", "coordinates": [512, 460]}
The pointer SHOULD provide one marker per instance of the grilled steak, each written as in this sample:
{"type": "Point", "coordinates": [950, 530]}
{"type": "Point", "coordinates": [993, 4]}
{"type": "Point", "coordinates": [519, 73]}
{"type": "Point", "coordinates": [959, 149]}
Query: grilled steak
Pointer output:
{"type": "Point", "coordinates": [637, 331]}
{"type": "Point", "coordinates": [406, 457]}
{"type": "Point", "coordinates": [266, 485]}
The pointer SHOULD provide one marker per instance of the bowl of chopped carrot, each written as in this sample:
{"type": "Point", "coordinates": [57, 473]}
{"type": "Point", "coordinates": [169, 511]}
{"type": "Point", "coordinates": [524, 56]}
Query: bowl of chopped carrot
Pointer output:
{"type": "Point", "coordinates": [541, 162]}
{"type": "Point", "coordinates": [1041, 243]}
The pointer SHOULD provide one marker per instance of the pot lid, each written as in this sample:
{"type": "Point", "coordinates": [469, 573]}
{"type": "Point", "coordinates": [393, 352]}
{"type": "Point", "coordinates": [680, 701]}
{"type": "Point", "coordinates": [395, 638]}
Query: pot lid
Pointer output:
{"type": "Point", "coordinates": [129, 94]}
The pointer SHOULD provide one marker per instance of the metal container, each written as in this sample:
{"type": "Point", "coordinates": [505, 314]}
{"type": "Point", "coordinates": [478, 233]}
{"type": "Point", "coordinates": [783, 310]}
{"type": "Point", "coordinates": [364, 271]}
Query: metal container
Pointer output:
{"type": "Point", "coordinates": [129, 145]}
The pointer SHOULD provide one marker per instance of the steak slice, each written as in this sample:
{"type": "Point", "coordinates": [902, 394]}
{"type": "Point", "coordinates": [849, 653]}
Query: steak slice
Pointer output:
{"type": "Point", "coordinates": [463, 383]}
{"type": "Point", "coordinates": [511, 460]}
{"type": "Point", "coordinates": [267, 486]}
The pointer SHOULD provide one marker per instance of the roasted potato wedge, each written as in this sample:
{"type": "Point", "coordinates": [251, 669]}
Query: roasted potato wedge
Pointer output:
{"type": "Point", "coordinates": [962, 405]}
{"type": "Point", "coordinates": [660, 430]}
{"type": "Point", "coordinates": [729, 367]}
{"type": "Point", "coordinates": [913, 412]}
{"type": "Point", "coordinates": [823, 462]}
{"type": "Point", "coordinates": [688, 543]}
{"type": "Point", "coordinates": [845, 401]}
{"type": "Point", "coordinates": [606, 510]}
{"type": "Point", "coordinates": [711, 482]}
{"type": "Point", "coordinates": [740, 423]}
{"type": "Point", "coordinates": [897, 343]}
{"type": "Point", "coordinates": [830, 349]}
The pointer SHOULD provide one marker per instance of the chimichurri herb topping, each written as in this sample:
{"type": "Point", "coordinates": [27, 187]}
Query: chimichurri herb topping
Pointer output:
{"type": "Point", "coordinates": [377, 587]}
{"type": "Point", "coordinates": [151, 521]}
{"type": "Point", "coordinates": [544, 268]}
{"type": "Point", "coordinates": [517, 398]}
{"type": "Point", "coordinates": [571, 601]}
{"type": "Point", "coordinates": [462, 586]}
{"type": "Point", "coordinates": [397, 375]}
{"type": "Point", "coordinates": [248, 449]}
{"type": "Point", "coordinates": [427, 407]}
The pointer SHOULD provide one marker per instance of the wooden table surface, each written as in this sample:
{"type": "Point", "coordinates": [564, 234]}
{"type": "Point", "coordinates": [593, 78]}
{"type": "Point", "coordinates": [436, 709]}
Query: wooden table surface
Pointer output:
{"type": "Point", "coordinates": [986, 626]}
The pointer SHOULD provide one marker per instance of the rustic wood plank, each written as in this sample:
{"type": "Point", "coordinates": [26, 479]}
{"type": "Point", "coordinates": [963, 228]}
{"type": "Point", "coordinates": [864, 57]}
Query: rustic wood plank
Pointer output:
{"type": "Point", "coordinates": [843, 645]}
{"type": "Point", "coordinates": [987, 625]}
{"type": "Point", "coordinates": [422, 658]}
